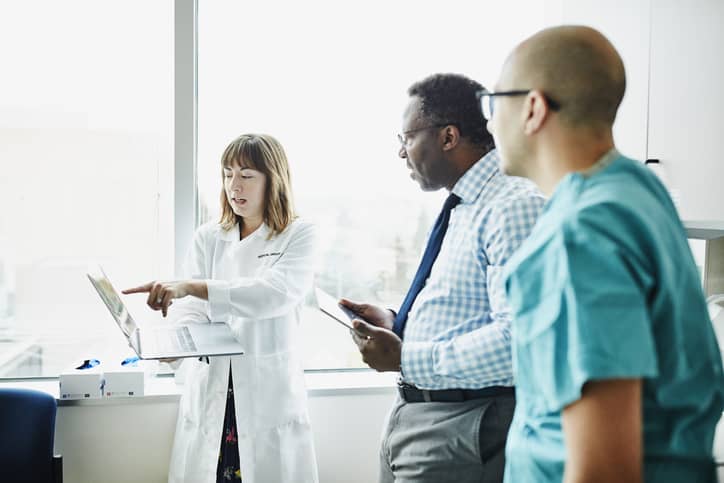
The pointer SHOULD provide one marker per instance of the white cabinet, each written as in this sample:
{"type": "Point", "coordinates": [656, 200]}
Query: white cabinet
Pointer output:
{"type": "Point", "coordinates": [686, 102]}
{"type": "Point", "coordinates": [673, 110]}
{"type": "Point", "coordinates": [626, 24]}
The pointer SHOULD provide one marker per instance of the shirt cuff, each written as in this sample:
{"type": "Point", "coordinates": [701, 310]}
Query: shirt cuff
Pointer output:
{"type": "Point", "coordinates": [418, 364]}
{"type": "Point", "coordinates": [219, 306]}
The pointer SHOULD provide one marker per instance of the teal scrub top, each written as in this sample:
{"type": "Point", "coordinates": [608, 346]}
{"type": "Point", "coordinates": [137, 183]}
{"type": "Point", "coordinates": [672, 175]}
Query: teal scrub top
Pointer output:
{"type": "Point", "coordinates": [606, 287]}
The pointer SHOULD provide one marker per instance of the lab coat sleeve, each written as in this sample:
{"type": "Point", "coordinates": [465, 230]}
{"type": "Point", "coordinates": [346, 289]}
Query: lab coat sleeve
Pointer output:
{"type": "Point", "coordinates": [193, 309]}
{"type": "Point", "coordinates": [481, 357]}
{"type": "Point", "coordinates": [274, 292]}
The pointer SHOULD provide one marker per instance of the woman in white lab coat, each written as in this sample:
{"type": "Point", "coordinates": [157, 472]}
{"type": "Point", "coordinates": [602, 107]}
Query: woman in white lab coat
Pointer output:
{"type": "Point", "coordinates": [251, 270]}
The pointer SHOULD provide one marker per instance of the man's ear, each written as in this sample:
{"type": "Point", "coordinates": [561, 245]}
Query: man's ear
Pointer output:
{"type": "Point", "coordinates": [535, 112]}
{"type": "Point", "coordinates": [450, 137]}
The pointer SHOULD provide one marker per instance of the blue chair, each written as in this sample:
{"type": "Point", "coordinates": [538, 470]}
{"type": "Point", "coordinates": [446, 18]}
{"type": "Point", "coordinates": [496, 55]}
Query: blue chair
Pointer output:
{"type": "Point", "coordinates": [27, 430]}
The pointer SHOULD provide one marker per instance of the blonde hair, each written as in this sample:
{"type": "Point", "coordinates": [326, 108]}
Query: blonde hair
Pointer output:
{"type": "Point", "coordinates": [263, 153]}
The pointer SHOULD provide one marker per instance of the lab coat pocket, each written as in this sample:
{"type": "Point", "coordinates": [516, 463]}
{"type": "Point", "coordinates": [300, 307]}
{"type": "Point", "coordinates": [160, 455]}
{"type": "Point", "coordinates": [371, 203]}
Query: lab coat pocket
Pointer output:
{"type": "Point", "coordinates": [195, 388]}
{"type": "Point", "coordinates": [278, 394]}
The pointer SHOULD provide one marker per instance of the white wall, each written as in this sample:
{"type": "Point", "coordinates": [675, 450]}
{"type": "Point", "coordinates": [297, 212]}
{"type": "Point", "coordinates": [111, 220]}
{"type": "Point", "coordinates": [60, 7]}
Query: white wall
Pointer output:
{"type": "Point", "coordinates": [687, 102]}
{"type": "Point", "coordinates": [116, 442]}
{"type": "Point", "coordinates": [347, 429]}
{"type": "Point", "coordinates": [130, 440]}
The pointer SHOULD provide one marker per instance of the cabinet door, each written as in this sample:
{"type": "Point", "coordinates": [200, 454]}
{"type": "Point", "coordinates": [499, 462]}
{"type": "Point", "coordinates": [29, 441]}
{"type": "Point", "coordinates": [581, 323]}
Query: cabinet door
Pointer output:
{"type": "Point", "coordinates": [686, 104]}
{"type": "Point", "coordinates": [626, 24]}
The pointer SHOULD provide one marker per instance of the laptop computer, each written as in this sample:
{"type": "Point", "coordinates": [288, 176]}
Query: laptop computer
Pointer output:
{"type": "Point", "coordinates": [165, 342]}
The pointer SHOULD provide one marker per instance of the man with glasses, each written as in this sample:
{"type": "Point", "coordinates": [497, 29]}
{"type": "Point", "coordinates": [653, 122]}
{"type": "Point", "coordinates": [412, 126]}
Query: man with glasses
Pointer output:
{"type": "Point", "coordinates": [618, 374]}
{"type": "Point", "coordinates": [450, 338]}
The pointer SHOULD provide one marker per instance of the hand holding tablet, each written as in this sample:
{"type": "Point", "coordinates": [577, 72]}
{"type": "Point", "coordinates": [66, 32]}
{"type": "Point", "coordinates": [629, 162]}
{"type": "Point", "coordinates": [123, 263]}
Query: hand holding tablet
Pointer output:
{"type": "Point", "coordinates": [331, 307]}
{"type": "Point", "coordinates": [370, 315]}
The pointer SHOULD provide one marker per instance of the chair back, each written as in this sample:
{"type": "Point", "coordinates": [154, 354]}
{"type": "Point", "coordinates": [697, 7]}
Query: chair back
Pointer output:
{"type": "Point", "coordinates": [27, 431]}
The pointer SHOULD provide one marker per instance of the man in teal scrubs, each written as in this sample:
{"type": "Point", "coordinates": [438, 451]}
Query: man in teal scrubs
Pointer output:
{"type": "Point", "coordinates": [618, 373]}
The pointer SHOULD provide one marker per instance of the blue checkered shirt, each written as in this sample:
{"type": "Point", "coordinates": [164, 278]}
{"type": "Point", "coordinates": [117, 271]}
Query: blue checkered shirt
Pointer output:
{"type": "Point", "coordinates": [458, 329]}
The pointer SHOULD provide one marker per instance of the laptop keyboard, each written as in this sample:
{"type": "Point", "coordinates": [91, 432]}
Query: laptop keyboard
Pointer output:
{"type": "Point", "coordinates": [174, 340]}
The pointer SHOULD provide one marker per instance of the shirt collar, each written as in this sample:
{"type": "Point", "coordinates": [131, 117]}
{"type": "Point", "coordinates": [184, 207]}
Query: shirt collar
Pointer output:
{"type": "Point", "coordinates": [233, 234]}
{"type": "Point", "coordinates": [574, 180]}
{"type": "Point", "coordinates": [602, 163]}
{"type": "Point", "coordinates": [474, 180]}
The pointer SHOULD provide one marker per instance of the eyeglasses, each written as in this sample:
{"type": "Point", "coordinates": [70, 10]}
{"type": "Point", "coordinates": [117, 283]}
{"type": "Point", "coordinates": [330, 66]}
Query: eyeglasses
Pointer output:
{"type": "Point", "coordinates": [487, 100]}
{"type": "Point", "coordinates": [404, 141]}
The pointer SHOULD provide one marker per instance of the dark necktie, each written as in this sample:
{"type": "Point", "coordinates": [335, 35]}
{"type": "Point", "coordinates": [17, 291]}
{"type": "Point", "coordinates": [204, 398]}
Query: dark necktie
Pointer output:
{"type": "Point", "coordinates": [428, 258]}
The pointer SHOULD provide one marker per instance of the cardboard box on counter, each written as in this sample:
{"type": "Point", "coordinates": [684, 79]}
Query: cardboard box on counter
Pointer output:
{"type": "Point", "coordinates": [83, 381]}
{"type": "Point", "coordinates": [123, 381]}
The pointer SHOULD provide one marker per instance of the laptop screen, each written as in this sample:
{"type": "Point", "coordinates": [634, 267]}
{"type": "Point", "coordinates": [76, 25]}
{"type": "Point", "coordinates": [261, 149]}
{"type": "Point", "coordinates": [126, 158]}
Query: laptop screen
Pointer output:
{"type": "Point", "coordinates": [112, 300]}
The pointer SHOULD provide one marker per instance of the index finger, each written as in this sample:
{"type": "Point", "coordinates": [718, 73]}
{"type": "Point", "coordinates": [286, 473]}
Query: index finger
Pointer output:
{"type": "Point", "coordinates": [140, 289]}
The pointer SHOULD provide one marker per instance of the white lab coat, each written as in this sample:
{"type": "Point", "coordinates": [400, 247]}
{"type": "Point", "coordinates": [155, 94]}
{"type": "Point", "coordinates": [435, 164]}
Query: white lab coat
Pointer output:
{"type": "Point", "coordinates": [257, 286]}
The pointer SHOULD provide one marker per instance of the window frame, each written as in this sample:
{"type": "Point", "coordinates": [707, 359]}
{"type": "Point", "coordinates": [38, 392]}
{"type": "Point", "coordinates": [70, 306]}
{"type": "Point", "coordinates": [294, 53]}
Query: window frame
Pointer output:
{"type": "Point", "coordinates": [185, 137]}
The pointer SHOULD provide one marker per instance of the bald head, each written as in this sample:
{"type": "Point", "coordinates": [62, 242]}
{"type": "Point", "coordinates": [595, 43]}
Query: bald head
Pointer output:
{"type": "Point", "coordinates": [577, 67]}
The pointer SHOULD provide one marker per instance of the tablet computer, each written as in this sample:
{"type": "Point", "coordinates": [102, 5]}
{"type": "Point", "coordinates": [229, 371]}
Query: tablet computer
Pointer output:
{"type": "Point", "coordinates": [331, 307]}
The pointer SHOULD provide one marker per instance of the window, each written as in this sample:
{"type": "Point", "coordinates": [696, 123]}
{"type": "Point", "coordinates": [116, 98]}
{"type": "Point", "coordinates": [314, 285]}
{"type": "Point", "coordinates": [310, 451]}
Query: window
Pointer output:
{"type": "Point", "coordinates": [86, 146]}
{"type": "Point", "coordinates": [86, 118]}
{"type": "Point", "coordinates": [329, 80]}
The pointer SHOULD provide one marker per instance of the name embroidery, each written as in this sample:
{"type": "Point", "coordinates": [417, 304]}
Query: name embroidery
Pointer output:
{"type": "Point", "coordinates": [273, 254]}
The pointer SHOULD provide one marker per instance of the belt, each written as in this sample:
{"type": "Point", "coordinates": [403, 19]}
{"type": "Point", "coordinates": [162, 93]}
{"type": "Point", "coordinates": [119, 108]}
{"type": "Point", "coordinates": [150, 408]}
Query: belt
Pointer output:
{"type": "Point", "coordinates": [411, 394]}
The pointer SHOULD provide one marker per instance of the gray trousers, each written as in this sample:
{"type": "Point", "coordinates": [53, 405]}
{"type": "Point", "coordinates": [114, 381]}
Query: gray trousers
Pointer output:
{"type": "Point", "coordinates": [440, 442]}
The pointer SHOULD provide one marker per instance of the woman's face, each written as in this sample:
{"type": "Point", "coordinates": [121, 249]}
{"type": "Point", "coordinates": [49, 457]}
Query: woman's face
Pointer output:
{"type": "Point", "coordinates": [245, 188]}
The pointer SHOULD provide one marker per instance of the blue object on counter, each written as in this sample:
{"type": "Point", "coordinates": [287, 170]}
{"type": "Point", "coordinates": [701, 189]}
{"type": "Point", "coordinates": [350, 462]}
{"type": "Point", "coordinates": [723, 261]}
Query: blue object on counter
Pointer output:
{"type": "Point", "coordinates": [88, 363]}
{"type": "Point", "coordinates": [130, 361]}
